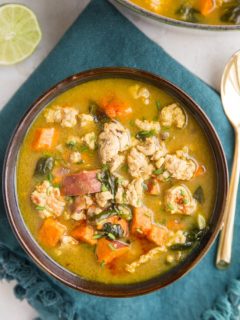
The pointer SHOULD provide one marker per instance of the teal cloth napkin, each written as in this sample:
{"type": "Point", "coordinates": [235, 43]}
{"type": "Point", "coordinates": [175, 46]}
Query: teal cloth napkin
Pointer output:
{"type": "Point", "coordinates": [101, 36]}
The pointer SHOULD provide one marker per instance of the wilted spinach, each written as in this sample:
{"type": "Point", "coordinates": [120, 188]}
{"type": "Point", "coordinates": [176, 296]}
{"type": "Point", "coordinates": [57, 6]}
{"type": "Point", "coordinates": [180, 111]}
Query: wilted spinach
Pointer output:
{"type": "Point", "coordinates": [193, 237]}
{"type": "Point", "coordinates": [187, 13]}
{"type": "Point", "coordinates": [199, 194]}
{"type": "Point", "coordinates": [99, 116]}
{"type": "Point", "coordinates": [108, 181]}
{"type": "Point", "coordinates": [231, 12]}
{"type": "Point", "coordinates": [44, 166]}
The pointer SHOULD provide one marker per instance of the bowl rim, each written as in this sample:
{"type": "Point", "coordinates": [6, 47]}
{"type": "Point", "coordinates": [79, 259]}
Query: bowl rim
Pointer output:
{"type": "Point", "coordinates": [40, 257]}
{"type": "Point", "coordinates": [177, 23]}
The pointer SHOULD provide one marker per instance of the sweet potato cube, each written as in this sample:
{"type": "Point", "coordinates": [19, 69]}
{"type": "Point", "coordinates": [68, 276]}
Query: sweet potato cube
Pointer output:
{"type": "Point", "coordinates": [141, 222]}
{"type": "Point", "coordinates": [207, 6]}
{"type": "Point", "coordinates": [45, 139]}
{"type": "Point", "coordinates": [108, 250]}
{"type": "Point", "coordinates": [114, 107]}
{"type": "Point", "coordinates": [51, 232]}
{"type": "Point", "coordinates": [84, 233]}
{"type": "Point", "coordinates": [158, 235]}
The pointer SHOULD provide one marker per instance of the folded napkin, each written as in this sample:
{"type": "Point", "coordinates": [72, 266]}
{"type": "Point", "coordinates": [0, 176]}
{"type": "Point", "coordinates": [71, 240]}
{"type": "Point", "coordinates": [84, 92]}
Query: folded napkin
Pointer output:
{"type": "Point", "coordinates": [101, 36]}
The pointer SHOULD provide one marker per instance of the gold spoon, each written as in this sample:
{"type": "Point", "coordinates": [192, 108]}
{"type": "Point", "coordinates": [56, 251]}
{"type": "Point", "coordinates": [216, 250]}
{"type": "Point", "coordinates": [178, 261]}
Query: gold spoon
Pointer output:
{"type": "Point", "coordinates": [230, 94]}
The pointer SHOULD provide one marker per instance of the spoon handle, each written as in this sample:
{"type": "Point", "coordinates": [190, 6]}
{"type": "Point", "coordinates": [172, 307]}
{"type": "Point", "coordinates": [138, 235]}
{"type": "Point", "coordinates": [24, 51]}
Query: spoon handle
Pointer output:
{"type": "Point", "coordinates": [226, 238]}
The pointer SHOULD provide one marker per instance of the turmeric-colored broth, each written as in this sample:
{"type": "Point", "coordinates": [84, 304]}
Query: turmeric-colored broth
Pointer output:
{"type": "Point", "coordinates": [81, 258]}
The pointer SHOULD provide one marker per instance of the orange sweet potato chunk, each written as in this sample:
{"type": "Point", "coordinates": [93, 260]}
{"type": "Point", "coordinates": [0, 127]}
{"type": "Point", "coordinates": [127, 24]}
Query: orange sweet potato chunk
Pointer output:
{"type": "Point", "coordinates": [157, 234]}
{"type": "Point", "coordinates": [207, 6]}
{"type": "Point", "coordinates": [108, 250]}
{"type": "Point", "coordinates": [84, 233]}
{"type": "Point", "coordinates": [45, 139]}
{"type": "Point", "coordinates": [114, 107]}
{"type": "Point", "coordinates": [141, 222]}
{"type": "Point", "coordinates": [51, 232]}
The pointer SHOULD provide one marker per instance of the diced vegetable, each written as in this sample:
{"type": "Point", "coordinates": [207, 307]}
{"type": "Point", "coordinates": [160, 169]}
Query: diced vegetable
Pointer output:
{"type": "Point", "coordinates": [51, 232]}
{"type": "Point", "coordinates": [157, 234]}
{"type": "Point", "coordinates": [81, 183]}
{"type": "Point", "coordinates": [153, 187]}
{"type": "Point", "coordinates": [108, 251]}
{"type": "Point", "coordinates": [115, 107]}
{"type": "Point", "coordinates": [200, 170]}
{"type": "Point", "coordinates": [207, 6]}
{"type": "Point", "coordinates": [44, 166]}
{"type": "Point", "coordinates": [142, 221]}
{"type": "Point", "coordinates": [84, 233]}
{"type": "Point", "coordinates": [45, 139]}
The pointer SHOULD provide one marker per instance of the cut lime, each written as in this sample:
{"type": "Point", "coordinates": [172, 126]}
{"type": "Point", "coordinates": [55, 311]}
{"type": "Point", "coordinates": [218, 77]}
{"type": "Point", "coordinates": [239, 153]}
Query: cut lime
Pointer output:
{"type": "Point", "coordinates": [19, 33]}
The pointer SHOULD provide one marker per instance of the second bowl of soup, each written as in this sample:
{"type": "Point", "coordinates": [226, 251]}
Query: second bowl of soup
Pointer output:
{"type": "Point", "coordinates": [120, 182]}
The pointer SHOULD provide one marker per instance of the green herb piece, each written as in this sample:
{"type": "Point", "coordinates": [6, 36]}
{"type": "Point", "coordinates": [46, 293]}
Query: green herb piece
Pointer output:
{"type": "Point", "coordinates": [104, 188]}
{"type": "Point", "coordinates": [185, 201]}
{"type": "Point", "coordinates": [158, 171]}
{"type": "Point", "coordinates": [143, 135]}
{"type": "Point", "coordinates": [50, 177]}
{"type": "Point", "coordinates": [181, 246]}
{"type": "Point", "coordinates": [132, 123]}
{"type": "Point", "coordinates": [40, 208]}
{"type": "Point", "coordinates": [83, 148]}
{"type": "Point", "coordinates": [44, 166]}
{"type": "Point", "coordinates": [170, 206]}
{"type": "Point", "coordinates": [109, 182]}
{"type": "Point", "coordinates": [102, 264]}
{"type": "Point", "coordinates": [124, 212]}
{"type": "Point", "coordinates": [71, 144]}
{"type": "Point", "coordinates": [158, 105]}
{"type": "Point", "coordinates": [97, 236]}
{"type": "Point", "coordinates": [199, 194]}
{"type": "Point", "coordinates": [111, 236]}
{"type": "Point", "coordinates": [111, 247]}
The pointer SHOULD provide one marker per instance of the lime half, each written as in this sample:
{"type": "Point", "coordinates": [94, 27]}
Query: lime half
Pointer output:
{"type": "Point", "coordinates": [19, 33]}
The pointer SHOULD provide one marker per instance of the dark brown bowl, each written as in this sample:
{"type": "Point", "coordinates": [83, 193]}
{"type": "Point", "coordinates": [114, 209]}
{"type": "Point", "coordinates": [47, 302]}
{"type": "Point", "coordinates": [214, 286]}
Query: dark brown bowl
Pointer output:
{"type": "Point", "coordinates": [36, 252]}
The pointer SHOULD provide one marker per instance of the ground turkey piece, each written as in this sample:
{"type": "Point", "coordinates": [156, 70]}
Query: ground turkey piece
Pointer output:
{"type": "Point", "coordinates": [181, 169]}
{"type": "Point", "coordinates": [138, 164]}
{"type": "Point", "coordinates": [112, 140]}
{"type": "Point", "coordinates": [173, 115]}
{"type": "Point", "coordinates": [103, 197]}
{"type": "Point", "coordinates": [179, 200]}
{"type": "Point", "coordinates": [148, 125]}
{"type": "Point", "coordinates": [48, 200]}
{"type": "Point", "coordinates": [149, 147]}
{"type": "Point", "coordinates": [81, 183]}
{"type": "Point", "coordinates": [134, 192]}
{"type": "Point", "coordinates": [66, 116]}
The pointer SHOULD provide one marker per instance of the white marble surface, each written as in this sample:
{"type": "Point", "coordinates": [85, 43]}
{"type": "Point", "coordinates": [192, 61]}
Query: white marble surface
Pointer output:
{"type": "Point", "coordinates": [204, 53]}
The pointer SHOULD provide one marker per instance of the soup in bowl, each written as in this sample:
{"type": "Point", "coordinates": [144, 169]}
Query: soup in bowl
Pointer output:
{"type": "Point", "coordinates": [202, 14]}
{"type": "Point", "coordinates": [120, 182]}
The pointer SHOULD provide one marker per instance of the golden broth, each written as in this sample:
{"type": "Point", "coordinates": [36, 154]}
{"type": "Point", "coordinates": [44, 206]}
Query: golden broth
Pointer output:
{"type": "Point", "coordinates": [81, 258]}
